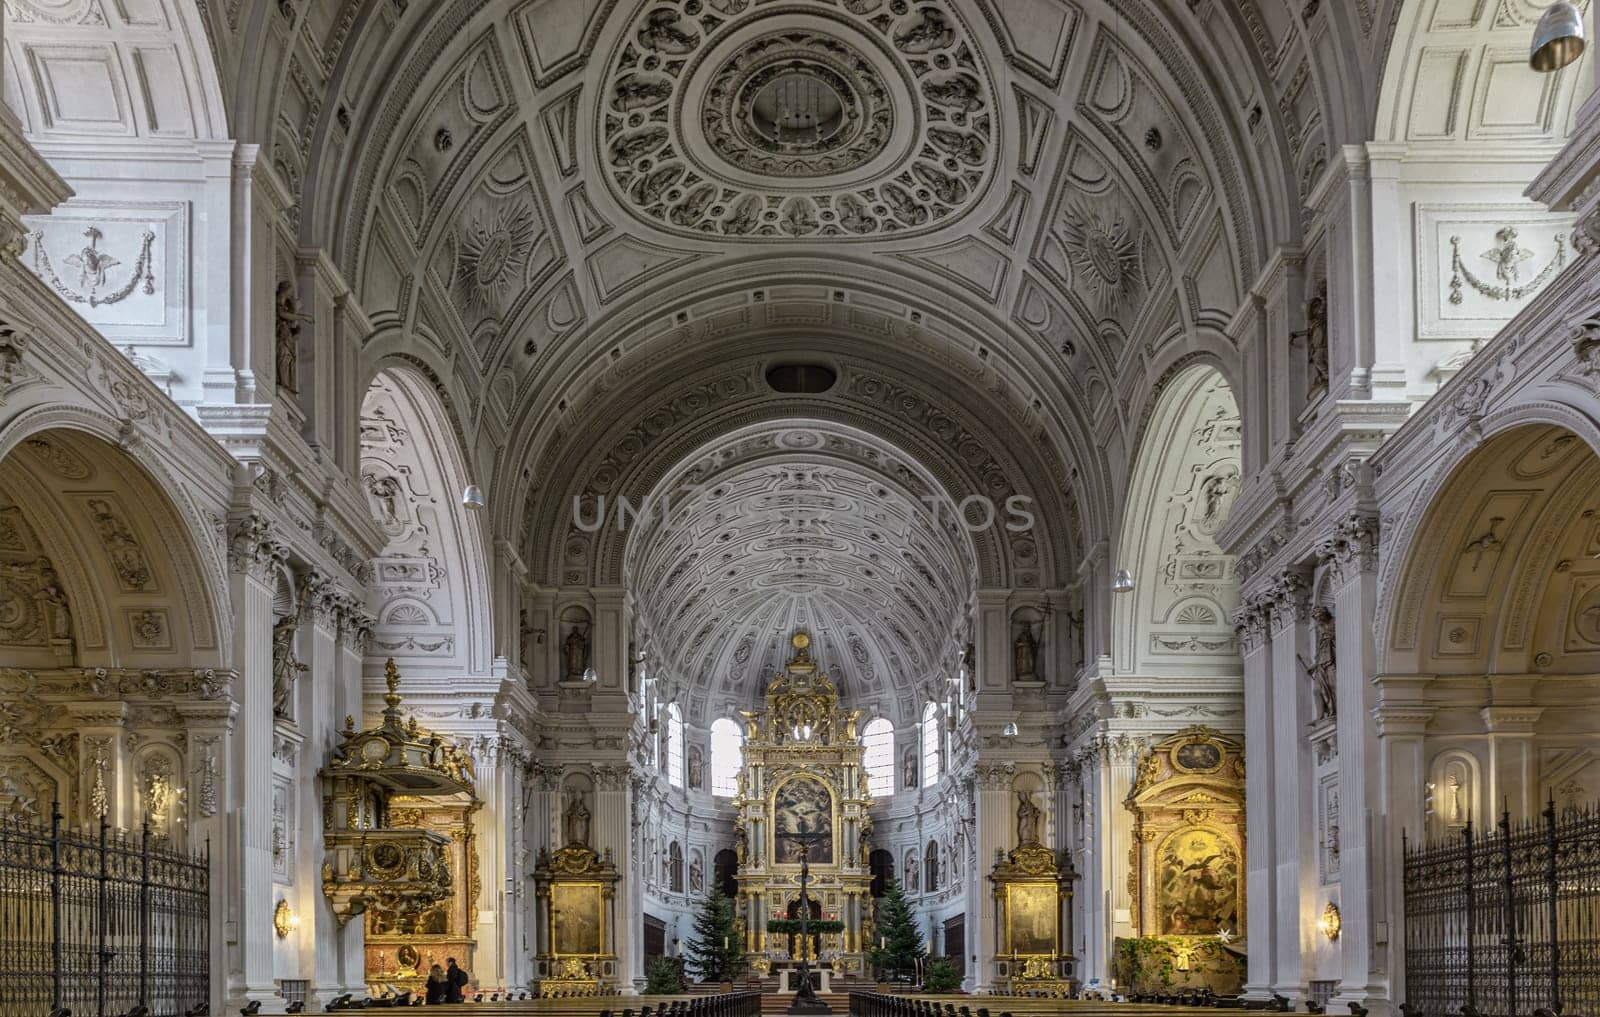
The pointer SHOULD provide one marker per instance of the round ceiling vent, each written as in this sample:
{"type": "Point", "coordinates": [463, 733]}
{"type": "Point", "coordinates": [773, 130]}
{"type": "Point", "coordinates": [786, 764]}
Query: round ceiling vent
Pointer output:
{"type": "Point", "coordinates": [802, 379]}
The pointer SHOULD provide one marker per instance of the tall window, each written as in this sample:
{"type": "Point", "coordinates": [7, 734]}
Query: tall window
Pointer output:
{"type": "Point", "coordinates": [930, 745]}
{"type": "Point", "coordinates": [675, 746]}
{"type": "Point", "coordinates": [878, 739]}
{"type": "Point", "coordinates": [727, 755]}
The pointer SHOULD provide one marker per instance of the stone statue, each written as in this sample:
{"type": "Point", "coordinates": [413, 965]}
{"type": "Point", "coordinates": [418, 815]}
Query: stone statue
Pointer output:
{"type": "Point", "coordinates": [1323, 668]}
{"type": "Point", "coordinates": [908, 766]}
{"type": "Point", "coordinates": [697, 875]}
{"type": "Point", "coordinates": [576, 651]}
{"type": "Point", "coordinates": [55, 613]}
{"type": "Point", "coordinates": [697, 768]}
{"type": "Point", "coordinates": [741, 843]}
{"type": "Point", "coordinates": [969, 660]}
{"type": "Point", "coordinates": [577, 821]}
{"type": "Point", "coordinates": [287, 328]}
{"type": "Point", "coordinates": [284, 667]}
{"type": "Point", "coordinates": [1316, 335]}
{"type": "Point", "coordinates": [1024, 654]}
{"type": "Point", "coordinates": [1027, 819]}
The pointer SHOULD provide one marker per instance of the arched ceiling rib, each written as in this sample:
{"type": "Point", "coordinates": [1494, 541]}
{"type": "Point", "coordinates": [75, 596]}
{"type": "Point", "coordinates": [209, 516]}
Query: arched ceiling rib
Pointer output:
{"type": "Point", "coordinates": [801, 524]}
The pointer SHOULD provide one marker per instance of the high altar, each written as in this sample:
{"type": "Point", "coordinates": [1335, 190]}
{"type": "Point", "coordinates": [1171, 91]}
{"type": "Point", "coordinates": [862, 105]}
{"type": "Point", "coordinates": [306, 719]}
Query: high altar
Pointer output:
{"type": "Point", "coordinates": [803, 788]}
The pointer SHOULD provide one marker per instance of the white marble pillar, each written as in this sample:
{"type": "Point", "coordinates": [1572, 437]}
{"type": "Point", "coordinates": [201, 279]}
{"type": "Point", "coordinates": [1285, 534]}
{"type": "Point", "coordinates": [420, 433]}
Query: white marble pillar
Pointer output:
{"type": "Point", "coordinates": [994, 839]}
{"type": "Point", "coordinates": [254, 558]}
{"type": "Point", "coordinates": [613, 807]}
{"type": "Point", "coordinates": [208, 726]}
{"type": "Point", "coordinates": [1119, 767]}
{"type": "Point", "coordinates": [355, 629]}
{"type": "Point", "coordinates": [1355, 602]}
{"type": "Point", "coordinates": [1260, 794]}
{"type": "Point", "coordinates": [1402, 715]}
{"type": "Point", "coordinates": [1294, 854]}
{"type": "Point", "coordinates": [318, 724]}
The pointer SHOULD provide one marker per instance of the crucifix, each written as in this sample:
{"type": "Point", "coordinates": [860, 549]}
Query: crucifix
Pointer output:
{"type": "Point", "coordinates": [805, 997]}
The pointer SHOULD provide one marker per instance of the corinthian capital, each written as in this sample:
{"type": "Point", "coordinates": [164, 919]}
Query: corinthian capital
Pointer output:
{"type": "Point", "coordinates": [251, 548]}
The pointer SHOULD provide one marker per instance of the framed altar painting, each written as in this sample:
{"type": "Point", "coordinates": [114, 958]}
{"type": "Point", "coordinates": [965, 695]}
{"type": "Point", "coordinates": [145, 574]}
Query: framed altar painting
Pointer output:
{"type": "Point", "coordinates": [578, 919]}
{"type": "Point", "coordinates": [802, 808]}
{"type": "Point", "coordinates": [1031, 918]}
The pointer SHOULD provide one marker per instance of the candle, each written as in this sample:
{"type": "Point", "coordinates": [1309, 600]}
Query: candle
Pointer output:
{"type": "Point", "coordinates": [724, 942]}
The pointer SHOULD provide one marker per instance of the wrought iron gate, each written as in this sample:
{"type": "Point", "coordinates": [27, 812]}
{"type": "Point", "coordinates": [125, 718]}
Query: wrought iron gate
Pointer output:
{"type": "Point", "coordinates": [1507, 922]}
{"type": "Point", "coordinates": [100, 923]}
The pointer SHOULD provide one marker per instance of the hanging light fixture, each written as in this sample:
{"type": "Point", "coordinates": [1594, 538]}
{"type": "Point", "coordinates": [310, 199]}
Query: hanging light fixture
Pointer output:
{"type": "Point", "coordinates": [473, 498]}
{"type": "Point", "coordinates": [1559, 38]}
{"type": "Point", "coordinates": [1010, 730]}
{"type": "Point", "coordinates": [1123, 583]}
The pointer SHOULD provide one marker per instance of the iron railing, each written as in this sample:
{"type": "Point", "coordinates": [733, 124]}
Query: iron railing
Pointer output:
{"type": "Point", "coordinates": [1509, 922]}
{"type": "Point", "coordinates": [100, 923]}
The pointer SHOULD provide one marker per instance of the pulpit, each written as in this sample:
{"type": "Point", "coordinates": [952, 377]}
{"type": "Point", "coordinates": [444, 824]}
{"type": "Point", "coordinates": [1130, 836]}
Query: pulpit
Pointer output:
{"type": "Point", "coordinates": [803, 791]}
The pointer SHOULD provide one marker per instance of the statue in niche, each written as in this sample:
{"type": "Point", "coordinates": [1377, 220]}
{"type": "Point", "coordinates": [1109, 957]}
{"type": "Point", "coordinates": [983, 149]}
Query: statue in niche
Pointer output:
{"type": "Point", "coordinates": [697, 768]}
{"type": "Point", "coordinates": [1027, 819]}
{"type": "Point", "coordinates": [1025, 652]}
{"type": "Point", "coordinates": [386, 492]}
{"type": "Point", "coordinates": [1216, 494]}
{"type": "Point", "coordinates": [285, 669]}
{"type": "Point", "coordinates": [969, 660]}
{"type": "Point", "coordinates": [741, 843]}
{"type": "Point", "coordinates": [1323, 668]}
{"type": "Point", "coordinates": [908, 767]}
{"type": "Point", "coordinates": [1316, 337]}
{"type": "Point", "coordinates": [697, 875]}
{"type": "Point", "coordinates": [577, 820]}
{"type": "Point", "coordinates": [287, 329]}
{"type": "Point", "coordinates": [52, 600]}
{"type": "Point", "coordinates": [576, 652]}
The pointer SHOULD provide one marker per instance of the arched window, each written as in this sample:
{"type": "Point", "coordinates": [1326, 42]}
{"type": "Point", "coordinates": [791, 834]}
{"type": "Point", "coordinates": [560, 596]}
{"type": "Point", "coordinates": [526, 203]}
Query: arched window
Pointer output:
{"type": "Point", "coordinates": [878, 739]}
{"type": "Point", "coordinates": [930, 745]}
{"type": "Point", "coordinates": [727, 755]}
{"type": "Point", "coordinates": [675, 746]}
{"type": "Point", "coordinates": [675, 868]}
{"type": "Point", "coordinates": [930, 859]}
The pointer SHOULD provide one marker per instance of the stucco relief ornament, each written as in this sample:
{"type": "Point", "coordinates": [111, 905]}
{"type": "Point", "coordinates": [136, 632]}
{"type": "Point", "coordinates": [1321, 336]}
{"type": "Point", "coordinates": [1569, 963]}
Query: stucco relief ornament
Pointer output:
{"type": "Point", "coordinates": [1585, 342]}
{"type": "Point", "coordinates": [1507, 257]}
{"type": "Point", "coordinates": [93, 267]}
{"type": "Point", "coordinates": [1103, 246]}
{"type": "Point", "coordinates": [874, 119]}
{"type": "Point", "coordinates": [13, 344]}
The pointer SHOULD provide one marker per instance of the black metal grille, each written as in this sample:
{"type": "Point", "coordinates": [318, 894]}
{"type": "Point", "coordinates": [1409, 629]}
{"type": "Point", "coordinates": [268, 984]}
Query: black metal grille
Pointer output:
{"type": "Point", "coordinates": [1506, 922]}
{"type": "Point", "coordinates": [101, 923]}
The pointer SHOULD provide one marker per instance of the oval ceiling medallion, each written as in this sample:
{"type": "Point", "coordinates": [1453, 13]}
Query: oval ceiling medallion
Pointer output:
{"type": "Point", "coordinates": [814, 118]}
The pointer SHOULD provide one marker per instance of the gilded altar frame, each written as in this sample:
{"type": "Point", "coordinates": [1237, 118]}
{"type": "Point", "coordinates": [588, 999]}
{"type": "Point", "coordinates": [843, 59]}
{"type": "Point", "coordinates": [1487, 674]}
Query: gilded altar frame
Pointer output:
{"type": "Point", "coordinates": [1033, 943]}
{"type": "Point", "coordinates": [575, 890]}
{"type": "Point", "coordinates": [1186, 868]}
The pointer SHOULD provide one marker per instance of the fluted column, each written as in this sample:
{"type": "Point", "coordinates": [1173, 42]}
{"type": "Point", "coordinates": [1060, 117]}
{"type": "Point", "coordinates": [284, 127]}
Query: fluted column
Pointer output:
{"type": "Point", "coordinates": [1251, 623]}
{"type": "Point", "coordinates": [1352, 562]}
{"type": "Point", "coordinates": [253, 558]}
{"type": "Point", "coordinates": [613, 805]}
{"type": "Point", "coordinates": [318, 724]}
{"type": "Point", "coordinates": [208, 727]}
{"type": "Point", "coordinates": [1294, 853]}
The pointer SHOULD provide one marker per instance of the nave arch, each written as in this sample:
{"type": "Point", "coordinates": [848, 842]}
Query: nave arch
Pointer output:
{"type": "Point", "coordinates": [430, 587]}
{"type": "Point", "coordinates": [1178, 619]}
{"type": "Point", "coordinates": [114, 655]}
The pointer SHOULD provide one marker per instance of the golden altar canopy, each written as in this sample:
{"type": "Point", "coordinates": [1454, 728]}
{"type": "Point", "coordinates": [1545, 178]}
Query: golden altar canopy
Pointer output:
{"type": "Point", "coordinates": [803, 789]}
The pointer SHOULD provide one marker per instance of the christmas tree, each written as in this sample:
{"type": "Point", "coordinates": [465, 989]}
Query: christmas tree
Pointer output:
{"type": "Point", "coordinates": [899, 944]}
{"type": "Point", "coordinates": [715, 953]}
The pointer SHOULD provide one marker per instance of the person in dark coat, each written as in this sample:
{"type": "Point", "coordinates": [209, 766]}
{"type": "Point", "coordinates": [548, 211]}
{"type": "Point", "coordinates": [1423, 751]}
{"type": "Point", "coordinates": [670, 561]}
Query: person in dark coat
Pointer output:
{"type": "Point", "coordinates": [456, 981]}
{"type": "Point", "coordinates": [438, 985]}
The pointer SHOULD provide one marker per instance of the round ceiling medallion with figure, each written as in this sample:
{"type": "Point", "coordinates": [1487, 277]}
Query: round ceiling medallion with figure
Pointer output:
{"type": "Point", "coordinates": [806, 119]}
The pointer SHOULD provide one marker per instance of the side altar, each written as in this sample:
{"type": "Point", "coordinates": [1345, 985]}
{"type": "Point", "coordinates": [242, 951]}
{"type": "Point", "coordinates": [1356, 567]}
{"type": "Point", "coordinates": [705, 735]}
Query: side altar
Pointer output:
{"type": "Point", "coordinates": [802, 803]}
